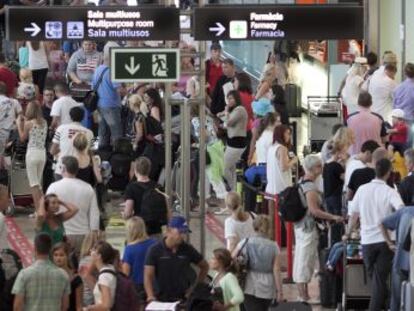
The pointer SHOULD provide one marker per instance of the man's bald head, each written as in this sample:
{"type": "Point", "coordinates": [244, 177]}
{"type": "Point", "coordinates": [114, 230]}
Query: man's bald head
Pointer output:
{"type": "Point", "coordinates": [379, 154]}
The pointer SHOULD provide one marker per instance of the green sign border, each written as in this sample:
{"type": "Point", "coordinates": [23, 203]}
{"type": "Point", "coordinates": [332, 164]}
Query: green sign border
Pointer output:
{"type": "Point", "coordinates": [115, 50]}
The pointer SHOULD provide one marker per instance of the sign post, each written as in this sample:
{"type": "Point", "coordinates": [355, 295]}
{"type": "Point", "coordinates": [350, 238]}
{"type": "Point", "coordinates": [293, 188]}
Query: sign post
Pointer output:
{"type": "Point", "coordinates": [264, 22]}
{"type": "Point", "coordinates": [92, 23]}
{"type": "Point", "coordinates": [145, 65]}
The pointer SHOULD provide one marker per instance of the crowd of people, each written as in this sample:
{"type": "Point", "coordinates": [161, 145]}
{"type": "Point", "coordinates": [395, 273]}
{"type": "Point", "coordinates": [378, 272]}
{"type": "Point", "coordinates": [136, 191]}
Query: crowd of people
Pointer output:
{"type": "Point", "coordinates": [359, 176]}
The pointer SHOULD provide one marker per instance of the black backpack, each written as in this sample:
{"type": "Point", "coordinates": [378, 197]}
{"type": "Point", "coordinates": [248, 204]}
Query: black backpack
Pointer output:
{"type": "Point", "coordinates": [153, 205]}
{"type": "Point", "coordinates": [126, 297]}
{"type": "Point", "coordinates": [120, 167]}
{"type": "Point", "coordinates": [292, 203]}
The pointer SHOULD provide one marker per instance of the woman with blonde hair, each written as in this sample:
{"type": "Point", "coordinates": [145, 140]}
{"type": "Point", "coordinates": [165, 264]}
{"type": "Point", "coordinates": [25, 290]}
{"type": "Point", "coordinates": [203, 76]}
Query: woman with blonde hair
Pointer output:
{"type": "Point", "coordinates": [340, 143]}
{"type": "Point", "coordinates": [264, 279]}
{"type": "Point", "coordinates": [240, 224]}
{"type": "Point", "coordinates": [267, 79]}
{"type": "Point", "coordinates": [33, 128]}
{"type": "Point", "coordinates": [135, 252]}
{"type": "Point", "coordinates": [89, 166]}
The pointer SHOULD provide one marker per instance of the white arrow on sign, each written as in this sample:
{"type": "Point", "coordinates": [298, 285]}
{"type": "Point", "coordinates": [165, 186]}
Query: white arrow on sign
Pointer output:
{"type": "Point", "coordinates": [218, 30]}
{"type": "Point", "coordinates": [131, 68]}
{"type": "Point", "coordinates": [34, 29]}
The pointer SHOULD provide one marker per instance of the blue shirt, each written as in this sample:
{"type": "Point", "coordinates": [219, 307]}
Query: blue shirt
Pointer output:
{"type": "Point", "coordinates": [134, 256]}
{"type": "Point", "coordinates": [107, 91]}
{"type": "Point", "coordinates": [404, 98]}
{"type": "Point", "coordinates": [401, 222]}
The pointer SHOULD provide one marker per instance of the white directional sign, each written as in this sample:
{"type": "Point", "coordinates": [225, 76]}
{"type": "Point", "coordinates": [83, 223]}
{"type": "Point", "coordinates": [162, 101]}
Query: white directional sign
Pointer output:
{"type": "Point", "coordinates": [145, 65]}
{"type": "Point", "coordinates": [33, 30]}
{"type": "Point", "coordinates": [218, 30]}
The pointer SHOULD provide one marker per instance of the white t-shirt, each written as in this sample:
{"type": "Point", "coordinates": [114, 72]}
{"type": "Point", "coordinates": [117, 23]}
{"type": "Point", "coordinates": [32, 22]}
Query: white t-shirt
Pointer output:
{"type": "Point", "coordinates": [64, 138]}
{"type": "Point", "coordinates": [108, 280]}
{"type": "Point", "coordinates": [61, 108]}
{"type": "Point", "coordinates": [351, 165]}
{"type": "Point", "coordinates": [82, 195]}
{"type": "Point", "coordinates": [350, 92]}
{"type": "Point", "coordinates": [373, 202]}
{"type": "Point", "coordinates": [3, 233]}
{"type": "Point", "coordinates": [237, 229]}
{"type": "Point", "coordinates": [263, 144]}
{"type": "Point", "coordinates": [37, 58]}
{"type": "Point", "coordinates": [381, 88]}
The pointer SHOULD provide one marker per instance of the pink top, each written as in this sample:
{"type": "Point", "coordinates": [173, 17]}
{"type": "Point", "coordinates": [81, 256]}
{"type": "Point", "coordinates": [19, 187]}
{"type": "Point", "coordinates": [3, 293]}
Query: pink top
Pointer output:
{"type": "Point", "coordinates": [366, 125]}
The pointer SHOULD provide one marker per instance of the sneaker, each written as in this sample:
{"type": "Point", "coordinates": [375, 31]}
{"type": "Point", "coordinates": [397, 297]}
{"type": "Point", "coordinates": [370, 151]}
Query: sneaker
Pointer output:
{"type": "Point", "coordinates": [313, 301]}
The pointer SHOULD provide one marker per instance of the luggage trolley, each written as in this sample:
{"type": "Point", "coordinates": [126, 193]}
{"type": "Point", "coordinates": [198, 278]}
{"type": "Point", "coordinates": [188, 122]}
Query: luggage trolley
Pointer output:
{"type": "Point", "coordinates": [323, 113]}
{"type": "Point", "coordinates": [356, 285]}
{"type": "Point", "coordinates": [19, 187]}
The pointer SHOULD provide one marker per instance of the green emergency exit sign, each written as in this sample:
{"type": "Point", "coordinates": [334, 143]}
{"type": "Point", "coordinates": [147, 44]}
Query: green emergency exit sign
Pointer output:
{"type": "Point", "coordinates": [145, 65]}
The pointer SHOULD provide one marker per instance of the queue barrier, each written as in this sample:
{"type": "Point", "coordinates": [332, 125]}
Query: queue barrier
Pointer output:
{"type": "Point", "coordinates": [266, 203]}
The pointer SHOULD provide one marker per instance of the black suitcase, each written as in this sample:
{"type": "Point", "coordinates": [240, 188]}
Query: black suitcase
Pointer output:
{"type": "Point", "coordinates": [4, 177]}
{"type": "Point", "coordinates": [293, 100]}
{"type": "Point", "coordinates": [330, 283]}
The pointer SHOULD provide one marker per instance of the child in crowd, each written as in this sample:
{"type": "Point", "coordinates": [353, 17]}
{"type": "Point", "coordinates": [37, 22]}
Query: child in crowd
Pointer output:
{"type": "Point", "coordinates": [399, 131]}
{"type": "Point", "coordinates": [337, 250]}
{"type": "Point", "coordinates": [60, 255]}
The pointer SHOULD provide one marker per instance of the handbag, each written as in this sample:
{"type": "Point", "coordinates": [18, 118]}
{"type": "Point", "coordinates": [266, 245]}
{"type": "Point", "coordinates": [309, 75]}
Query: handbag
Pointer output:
{"type": "Point", "coordinates": [242, 261]}
{"type": "Point", "coordinates": [91, 98]}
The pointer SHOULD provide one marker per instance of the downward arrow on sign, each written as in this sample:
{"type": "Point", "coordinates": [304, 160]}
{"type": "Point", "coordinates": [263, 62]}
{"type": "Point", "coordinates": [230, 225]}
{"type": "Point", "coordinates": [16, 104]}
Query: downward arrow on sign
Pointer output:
{"type": "Point", "coordinates": [131, 68]}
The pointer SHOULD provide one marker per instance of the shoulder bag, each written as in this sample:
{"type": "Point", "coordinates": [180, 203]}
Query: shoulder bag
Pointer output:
{"type": "Point", "coordinates": [91, 98]}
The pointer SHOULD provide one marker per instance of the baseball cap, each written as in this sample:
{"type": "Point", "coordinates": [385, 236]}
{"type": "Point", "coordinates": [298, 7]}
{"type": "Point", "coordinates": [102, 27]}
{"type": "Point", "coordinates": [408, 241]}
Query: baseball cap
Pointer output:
{"type": "Point", "coordinates": [179, 223]}
{"type": "Point", "coordinates": [398, 113]}
{"type": "Point", "coordinates": [262, 107]}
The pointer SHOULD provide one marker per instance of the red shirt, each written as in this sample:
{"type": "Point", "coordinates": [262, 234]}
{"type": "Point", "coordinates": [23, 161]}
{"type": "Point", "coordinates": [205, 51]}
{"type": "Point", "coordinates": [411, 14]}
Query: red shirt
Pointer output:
{"type": "Point", "coordinates": [247, 100]}
{"type": "Point", "coordinates": [402, 135]}
{"type": "Point", "coordinates": [9, 78]}
{"type": "Point", "coordinates": [213, 73]}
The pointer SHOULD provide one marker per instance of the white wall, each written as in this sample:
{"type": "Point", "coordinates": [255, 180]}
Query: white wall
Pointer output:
{"type": "Point", "coordinates": [409, 19]}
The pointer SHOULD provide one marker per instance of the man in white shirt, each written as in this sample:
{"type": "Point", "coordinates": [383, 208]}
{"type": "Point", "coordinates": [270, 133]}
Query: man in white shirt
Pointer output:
{"type": "Point", "coordinates": [62, 106]}
{"type": "Point", "coordinates": [73, 190]}
{"type": "Point", "coordinates": [381, 86]}
{"type": "Point", "coordinates": [4, 203]}
{"type": "Point", "coordinates": [62, 143]}
{"type": "Point", "coordinates": [372, 203]}
{"type": "Point", "coordinates": [359, 160]}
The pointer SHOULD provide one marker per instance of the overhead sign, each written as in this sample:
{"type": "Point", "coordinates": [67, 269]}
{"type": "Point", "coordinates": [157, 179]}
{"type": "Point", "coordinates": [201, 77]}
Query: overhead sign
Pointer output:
{"type": "Point", "coordinates": [299, 22]}
{"type": "Point", "coordinates": [92, 23]}
{"type": "Point", "coordinates": [145, 65]}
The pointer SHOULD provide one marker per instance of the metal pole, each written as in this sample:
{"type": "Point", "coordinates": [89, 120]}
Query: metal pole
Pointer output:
{"type": "Point", "coordinates": [187, 159]}
{"type": "Point", "coordinates": [168, 145]}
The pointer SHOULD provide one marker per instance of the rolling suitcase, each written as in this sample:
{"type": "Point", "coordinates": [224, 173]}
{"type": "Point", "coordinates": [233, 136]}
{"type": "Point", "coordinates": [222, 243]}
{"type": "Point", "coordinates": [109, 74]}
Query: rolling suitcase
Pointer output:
{"type": "Point", "coordinates": [407, 296]}
{"type": "Point", "coordinates": [329, 283]}
{"type": "Point", "coordinates": [293, 98]}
